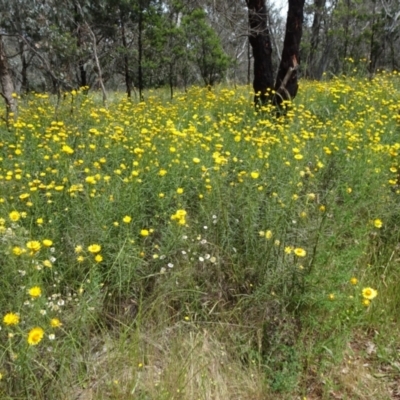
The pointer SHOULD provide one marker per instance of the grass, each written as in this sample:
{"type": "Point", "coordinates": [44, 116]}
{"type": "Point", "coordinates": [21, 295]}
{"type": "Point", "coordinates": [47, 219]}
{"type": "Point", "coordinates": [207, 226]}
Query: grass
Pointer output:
{"type": "Point", "coordinates": [197, 249]}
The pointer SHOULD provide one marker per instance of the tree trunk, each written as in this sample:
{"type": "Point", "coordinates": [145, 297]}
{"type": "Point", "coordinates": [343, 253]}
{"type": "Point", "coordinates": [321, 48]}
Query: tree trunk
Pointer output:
{"type": "Point", "coordinates": [82, 77]}
{"type": "Point", "coordinates": [260, 41]}
{"type": "Point", "coordinates": [126, 59]}
{"type": "Point", "coordinates": [286, 82]}
{"type": "Point", "coordinates": [314, 41]}
{"type": "Point", "coordinates": [6, 82]}
{"type": "Point", "coordinates": [140, 51]}
{"type": "Point", "coordinates": [97, 61]}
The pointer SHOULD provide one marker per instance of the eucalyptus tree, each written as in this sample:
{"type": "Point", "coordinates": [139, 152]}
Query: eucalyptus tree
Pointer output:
{"type": "Point", "coordinates": [6, 82]}
{"type": "Point", "coordinates": [285, 86]}
{"type": "Point", "coordinates": [315, 38]}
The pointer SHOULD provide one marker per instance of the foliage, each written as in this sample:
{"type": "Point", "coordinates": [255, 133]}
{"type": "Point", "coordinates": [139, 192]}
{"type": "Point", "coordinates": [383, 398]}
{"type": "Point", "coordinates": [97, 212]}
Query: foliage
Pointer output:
{"type": "Point", "coordinates": [204, 47]}
{"type": "Point", "coordinates": [190, 246]}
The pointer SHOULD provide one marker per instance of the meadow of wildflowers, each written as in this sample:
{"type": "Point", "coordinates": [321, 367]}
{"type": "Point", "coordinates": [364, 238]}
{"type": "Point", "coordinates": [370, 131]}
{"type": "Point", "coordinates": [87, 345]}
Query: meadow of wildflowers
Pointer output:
{"type": "Point", "coordinates": [195, 248]}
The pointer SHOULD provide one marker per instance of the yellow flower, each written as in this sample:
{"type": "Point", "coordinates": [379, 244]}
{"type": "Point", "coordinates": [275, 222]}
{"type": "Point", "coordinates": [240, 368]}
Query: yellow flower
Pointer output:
{"type": "Point", "coordinates": [268, 235]}
{"type": "Point", "coordinates": [179, 190]}
{"type": "Point", "coordinates": [288, 249]}
{"type": "Point", "coordinates": [67, 149]}
{"type": "Point", "coordinates": [35, 335]}
{"type": "Point", "coordinates": [300, 252]}
{"type": "Point", "coordinates": [378, 223]}
{"type": "Point", "coordinates": [17, 251]}
{"type": "Point", "coordinates": [366, 302]}
{"type": "Point", "coordinates": [94, 248]}
{"type": "Point", "coordinates": [127, 219]}
{"type": "Point", "coordinates": [34, 246]}
{"type": "Point", "coordinates": [144, 232]}
{"type": "Point", "coordinates": [354, 281]}
{"type": "Point", "coordinates": [14, 216]}
{"type": "Point", "coordinates": [11, 319]}
{"type": "Point", "coordinates": [331, 296]}
{"type": "Point", "coordinates": [98, 258]}
{"type": "Point", "coordinates": [311, 196]}
{"type": "Point", "coordinates": [369, 293]}
{"type": "Point", "coordinates": [35, 292]}
{"type": "Point", "coordinates": [78, 249]}
{"type": "Point", "coordinates": [55, 323]}
{"type": "Point", "coordinates": [196, 160]}
{"type": "Point", "coordinates": [47, 242]}
{"type": "Point", "coordinates": [180, 216]}
{"type": "Point", "coordinates": [255, 174]}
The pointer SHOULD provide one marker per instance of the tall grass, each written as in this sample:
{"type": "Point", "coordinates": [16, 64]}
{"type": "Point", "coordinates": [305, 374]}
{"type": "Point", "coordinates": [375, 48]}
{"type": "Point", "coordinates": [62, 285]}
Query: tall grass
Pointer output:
{"type": "Point", "coordinates": [196, 249]}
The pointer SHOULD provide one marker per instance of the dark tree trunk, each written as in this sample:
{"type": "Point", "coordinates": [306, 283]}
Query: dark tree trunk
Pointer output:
{"type": "Point", "coordinates": [286, 82]}
{"type": "Point", "coordinates": [171, 80]}
{"type": "Point", "coordinates": [7, 84]}
{"type": "Point", "coordinates": [376, 46]}
{"type": "Point", "coordinates": [346, 33]}
{"type": "Point", "coordinates": [260, 41]}
{"type": "Point", "coordinates": [314, 41]}
{"type": "Point", "coordinates": [248, 63]}
{"type": "Point", "coordinates": [128, 82]}
{"type": "Point", "coordinates": [287, 79]}
{"type": "Point", "coordinates": [82, 77]}
{"type": "Point", "coordinates": [140, 51]}
{"type": "Point", "coordinates": [82, 74]}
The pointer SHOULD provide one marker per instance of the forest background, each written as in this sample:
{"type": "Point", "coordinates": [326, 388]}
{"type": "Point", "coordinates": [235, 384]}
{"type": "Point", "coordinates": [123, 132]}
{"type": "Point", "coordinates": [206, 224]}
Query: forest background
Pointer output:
{"type": "Point", "coordinates": [131, 45]}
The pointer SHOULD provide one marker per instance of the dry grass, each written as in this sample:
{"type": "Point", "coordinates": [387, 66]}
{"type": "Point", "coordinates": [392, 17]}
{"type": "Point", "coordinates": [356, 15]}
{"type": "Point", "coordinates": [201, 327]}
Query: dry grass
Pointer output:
{"type": "Point", "coordinates": [182, 362]}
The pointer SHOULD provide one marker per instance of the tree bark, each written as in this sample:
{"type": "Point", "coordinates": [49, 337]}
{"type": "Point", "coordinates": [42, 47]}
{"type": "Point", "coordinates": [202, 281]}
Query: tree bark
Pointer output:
{"type": "Point", "coordinates": [290, 54]}
{"type": "Point", "coordinates": [315, 38]}
{"type": "Point", "coordinates": [260, 41]}
{"type": "Point", "coordinates": [97, 61]}
{"type": "Point", "coordinates": [140, 51]}
{"type": "Point", "coordinates": [128, 82]}
{"type": "Point", "coordinates": [6, 82]}
{"type": "Point", "coordinates": [82, 77]}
